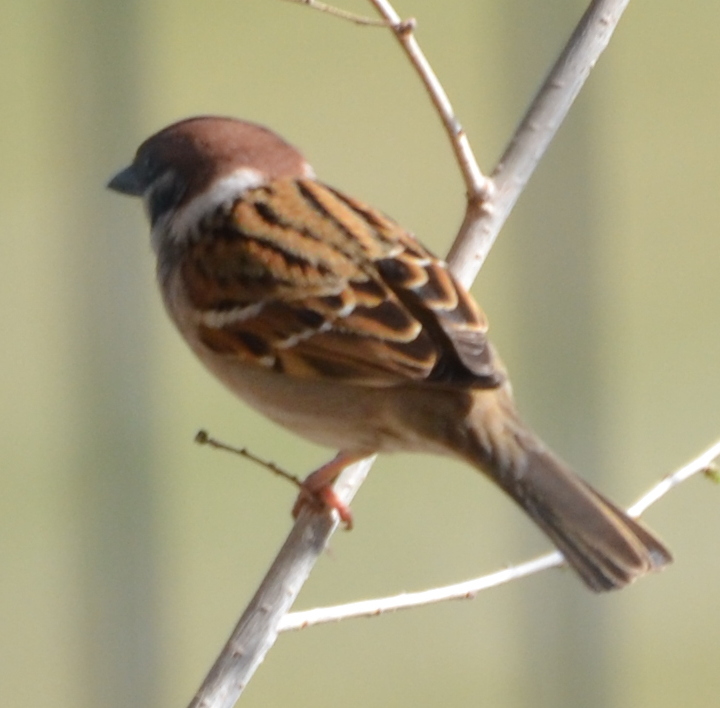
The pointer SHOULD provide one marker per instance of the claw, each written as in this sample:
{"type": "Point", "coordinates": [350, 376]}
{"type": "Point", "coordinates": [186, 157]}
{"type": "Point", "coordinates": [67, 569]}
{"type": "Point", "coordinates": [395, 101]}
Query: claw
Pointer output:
{"type": "Point", "coordinates": [317, 490]}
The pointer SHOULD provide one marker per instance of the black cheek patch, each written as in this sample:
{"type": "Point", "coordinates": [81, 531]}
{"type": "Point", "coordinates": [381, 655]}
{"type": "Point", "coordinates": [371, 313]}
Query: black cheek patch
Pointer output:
{"type": "Point", "coordinates": [165, 196]}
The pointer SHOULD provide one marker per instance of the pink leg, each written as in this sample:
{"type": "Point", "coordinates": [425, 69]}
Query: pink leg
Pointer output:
{"type": "Point", "coordinates": [317, 489]}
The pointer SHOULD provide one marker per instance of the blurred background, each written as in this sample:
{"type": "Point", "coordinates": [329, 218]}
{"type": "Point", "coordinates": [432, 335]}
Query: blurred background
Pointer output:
{"type": "Point", "coordinates": [127, 552]}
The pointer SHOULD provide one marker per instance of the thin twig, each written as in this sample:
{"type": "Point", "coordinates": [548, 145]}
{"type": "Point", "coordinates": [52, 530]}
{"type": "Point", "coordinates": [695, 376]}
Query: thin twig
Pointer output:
{"type": "Point", "coordinates": [702, 463]}
{"type": "Point", "coordinates": [469, 588]}
{"type": "Point", "coordinates": [477, 185]}
{"type": "Point", "coordinates": [203, 438]}
{"type": "Point", "coordinates": [378, 606]}
{"type": "Point", "coordinates": [342, 14]}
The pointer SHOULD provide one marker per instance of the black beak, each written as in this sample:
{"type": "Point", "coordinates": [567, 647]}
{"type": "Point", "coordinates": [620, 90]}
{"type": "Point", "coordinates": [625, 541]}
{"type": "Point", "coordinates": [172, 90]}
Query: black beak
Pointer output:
{"type": "Point", "coordinates": [128, 181]}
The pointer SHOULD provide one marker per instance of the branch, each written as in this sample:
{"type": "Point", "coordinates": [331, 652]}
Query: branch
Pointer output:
{"type": "Point", "coordinates": [478, 187]}
{"type": "Point", "coordinates": [468, 589]}
{"type": "Point", "coordinates": [342, 14]}
{"type": "Point", "coordinates": [257, 629]}
{"type": "Point", "coordinates": [486, 211]}
{"type": "Point", "coordinates": [547, 111]}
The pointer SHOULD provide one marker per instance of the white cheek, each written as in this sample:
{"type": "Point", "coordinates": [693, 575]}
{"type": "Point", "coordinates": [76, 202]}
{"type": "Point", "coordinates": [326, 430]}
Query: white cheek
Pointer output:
{"type": "Point", "coordinates": [182, 223]}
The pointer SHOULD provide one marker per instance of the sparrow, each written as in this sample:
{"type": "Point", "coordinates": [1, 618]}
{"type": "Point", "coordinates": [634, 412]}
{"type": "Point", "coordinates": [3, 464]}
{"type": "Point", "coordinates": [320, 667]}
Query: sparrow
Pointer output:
{"type": "Point", "coordinates": [332, 320]}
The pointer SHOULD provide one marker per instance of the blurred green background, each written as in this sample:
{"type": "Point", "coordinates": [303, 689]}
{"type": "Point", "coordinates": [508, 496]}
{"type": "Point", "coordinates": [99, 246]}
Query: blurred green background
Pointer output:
{"type": "Point", "coordinates": [127, 552]}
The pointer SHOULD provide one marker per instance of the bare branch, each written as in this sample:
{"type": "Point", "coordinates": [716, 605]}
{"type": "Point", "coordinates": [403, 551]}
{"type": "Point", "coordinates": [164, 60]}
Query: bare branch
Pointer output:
{"type": "Point", "coordinates": [547, 111]}
{"type": "Point", "coordinates": [257, 629]}
{"type": "Point", "coordinates": [342, 14]}
{"type": "Point", "coordinates": [204, 438]}
{"type": "Point", "coordinates": [702, 463]}
{"type": "Point", "coordinates": [478, 187]}
{"type": "Point", "coordinates": [458, 591]}
{"type": "Point", "coordinates": [470, 588]}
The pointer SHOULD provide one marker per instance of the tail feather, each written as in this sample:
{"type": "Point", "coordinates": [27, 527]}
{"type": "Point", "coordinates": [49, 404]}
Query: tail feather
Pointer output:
{"type": "Point", "coordinates": [607, 548]}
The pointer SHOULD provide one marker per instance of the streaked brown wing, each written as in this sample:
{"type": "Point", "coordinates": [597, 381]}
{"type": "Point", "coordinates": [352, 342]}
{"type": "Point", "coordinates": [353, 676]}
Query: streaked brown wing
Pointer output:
{"type": "Point", "coordinates": [304, 280]}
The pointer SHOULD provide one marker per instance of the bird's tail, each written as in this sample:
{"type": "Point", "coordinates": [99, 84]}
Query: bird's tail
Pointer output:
{"type": "Point", "coordinates": [606, 547]}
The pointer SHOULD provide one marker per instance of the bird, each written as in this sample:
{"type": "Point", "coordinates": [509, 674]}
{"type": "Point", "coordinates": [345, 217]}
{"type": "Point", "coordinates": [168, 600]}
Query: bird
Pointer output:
{"type": "Point", "coordinates": [334, 321]}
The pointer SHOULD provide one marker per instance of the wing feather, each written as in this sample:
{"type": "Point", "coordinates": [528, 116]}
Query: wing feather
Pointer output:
{"type": "Point", "coordinates": [307, 281]}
